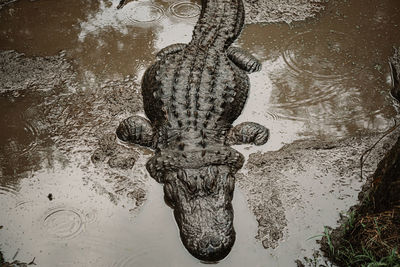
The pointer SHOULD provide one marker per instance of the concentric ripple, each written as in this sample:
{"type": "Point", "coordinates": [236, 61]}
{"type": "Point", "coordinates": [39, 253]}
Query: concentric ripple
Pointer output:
{"type": "Point", "coordinates": [185, 10]}
{"type": "Point", "coordinates": [91, 216]}
{"type": "Point", "coordinates": [8, 192]}
{"type": "Point", "coordinates": [139, 259]}
{"type": "Point", "coordinates": [127, 261]}
{"type": "Point", "coordinates": [63, 223]}
{"type": "Point", "coordinates": [322, 54]}
{"type": "Point", "coordinates": [145, 13]}
{"type": "Point", "coordinates": [318, 94]}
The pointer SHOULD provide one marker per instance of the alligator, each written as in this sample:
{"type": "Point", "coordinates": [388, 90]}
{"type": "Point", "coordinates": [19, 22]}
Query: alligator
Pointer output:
{"type": "Point", "coordinates": [192, 95]}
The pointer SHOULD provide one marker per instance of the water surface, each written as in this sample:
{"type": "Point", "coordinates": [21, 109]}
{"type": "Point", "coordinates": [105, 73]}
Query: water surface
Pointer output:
{"type": "Point", "coordinates": [325, 77]}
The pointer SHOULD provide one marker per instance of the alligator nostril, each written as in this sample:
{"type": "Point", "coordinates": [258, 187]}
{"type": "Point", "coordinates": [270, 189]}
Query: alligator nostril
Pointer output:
{"type": "Point", "coordinates": [204, 242]}
{"type": "Point", "coordinates": [210, 242]}
{"type": "Point", "coordinates": [215, 242]}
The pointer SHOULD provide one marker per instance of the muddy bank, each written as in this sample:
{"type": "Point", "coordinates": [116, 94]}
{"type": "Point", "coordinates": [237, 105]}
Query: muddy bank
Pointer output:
{"type": "Point", "coordinates": [61, 168]}
{"type": "Point", "coordinates": [370, 233]}
{"type": "Point", "coordinates": [77, 119]}
{"type": "Point", "coordinates": [287, 183]}
{"type": "Point", "coordinates": [18, 72]}
{"type": "Point", "coordinates": [260, 11]}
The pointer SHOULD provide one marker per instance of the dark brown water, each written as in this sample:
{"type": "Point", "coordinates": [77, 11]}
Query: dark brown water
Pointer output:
{"type": "Point", "coordinates": [326, 77]}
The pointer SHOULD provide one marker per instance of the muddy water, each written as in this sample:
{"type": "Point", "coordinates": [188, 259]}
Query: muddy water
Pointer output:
{"type": "Point", "coordinates": [326, 77]}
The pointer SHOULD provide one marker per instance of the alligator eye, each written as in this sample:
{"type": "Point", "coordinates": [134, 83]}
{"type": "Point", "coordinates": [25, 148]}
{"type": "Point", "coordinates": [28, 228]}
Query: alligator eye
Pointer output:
{"type": "Point", "coordinates": [182, 175]}
{"type": "Point", "coordinates": [210, 182]}
{"type": "Point", "coordinates": [191, 185]}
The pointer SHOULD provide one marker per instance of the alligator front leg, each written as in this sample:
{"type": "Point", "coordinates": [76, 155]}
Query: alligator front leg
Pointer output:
{"type": "Point", "coordinates": [171, 49]}
{"type": "Point", "coordinates": [243, 59]}
{"type": "Point", "coordinates": [136, 130]}
{"type": "Point", "coordinates": [247, 133]}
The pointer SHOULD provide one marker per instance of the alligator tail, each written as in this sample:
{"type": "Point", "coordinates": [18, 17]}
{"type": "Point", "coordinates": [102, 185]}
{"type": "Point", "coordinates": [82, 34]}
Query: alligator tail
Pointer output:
{"type": "Point", "coordinates": [220, 23]}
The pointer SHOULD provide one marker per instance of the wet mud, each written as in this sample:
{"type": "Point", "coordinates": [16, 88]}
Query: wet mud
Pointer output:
{"type": "Point", "coordinates": [263, 11]}
{"type": "Point", "coordinates": [70, 72]}
{"type": "Point", "coordinates": [307, 176]}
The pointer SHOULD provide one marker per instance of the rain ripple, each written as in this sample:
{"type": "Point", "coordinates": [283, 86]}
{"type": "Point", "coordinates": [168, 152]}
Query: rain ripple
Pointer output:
{"type": "Point", "coordinates": [322, 54]}
{"type": "Point", "coordinates": [145, 13]}
{"type": "Point", "coordinates": [63, 223]}
{"type": "Point", "coordinates": [20, 137]}
{"type": "Point", "coordinates": [8, 192]}
{"type": "Point", "coordinates": [185, 10]}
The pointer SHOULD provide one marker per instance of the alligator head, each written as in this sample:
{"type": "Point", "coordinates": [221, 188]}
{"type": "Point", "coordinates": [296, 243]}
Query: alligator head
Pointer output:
{"type": "Point", "coordinates": [199, 187]}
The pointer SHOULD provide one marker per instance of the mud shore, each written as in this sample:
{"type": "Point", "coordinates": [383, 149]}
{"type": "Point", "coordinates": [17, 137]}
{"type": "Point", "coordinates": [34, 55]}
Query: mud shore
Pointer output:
{"type": "Point", "coordinates": [280, 180]}
{"type": "Point", "coordinates": [266, 11]}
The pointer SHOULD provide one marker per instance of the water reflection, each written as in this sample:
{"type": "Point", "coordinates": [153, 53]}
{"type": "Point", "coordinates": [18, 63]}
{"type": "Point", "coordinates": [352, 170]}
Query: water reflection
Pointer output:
{"type": "Point", "coordinates": [322, 54]}
{"type": "Point", "coordinates": [328, 75]}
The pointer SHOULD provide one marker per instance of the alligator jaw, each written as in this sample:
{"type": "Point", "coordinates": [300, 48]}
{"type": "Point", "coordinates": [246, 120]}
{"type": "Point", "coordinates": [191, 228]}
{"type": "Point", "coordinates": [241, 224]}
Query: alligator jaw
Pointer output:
{"type": "Point", "coordinates": [201, 199]}
{"type": "Point", "coordinates": [210, 245]}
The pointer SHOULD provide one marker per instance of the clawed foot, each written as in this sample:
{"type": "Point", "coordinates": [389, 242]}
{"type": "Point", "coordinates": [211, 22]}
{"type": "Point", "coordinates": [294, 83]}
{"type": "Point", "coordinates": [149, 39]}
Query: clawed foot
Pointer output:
{"type": "Point", "coordinates": [136, 130]}
{"type": "Point", "coordinates": [248, 133]}
{"type": "Point", "coordinates": [108, 151]}
{"type": "Point", "coordinates": [243, 59]}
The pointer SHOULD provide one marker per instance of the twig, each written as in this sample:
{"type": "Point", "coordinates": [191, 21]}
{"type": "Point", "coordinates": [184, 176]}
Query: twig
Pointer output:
{"type": "Point", "coordinates": [366, 153]}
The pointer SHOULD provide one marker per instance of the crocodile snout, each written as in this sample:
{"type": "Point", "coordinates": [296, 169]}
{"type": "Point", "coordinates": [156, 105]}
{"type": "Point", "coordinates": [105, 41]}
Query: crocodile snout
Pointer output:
{"type": "Point", "coordinates": [213, 248]}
